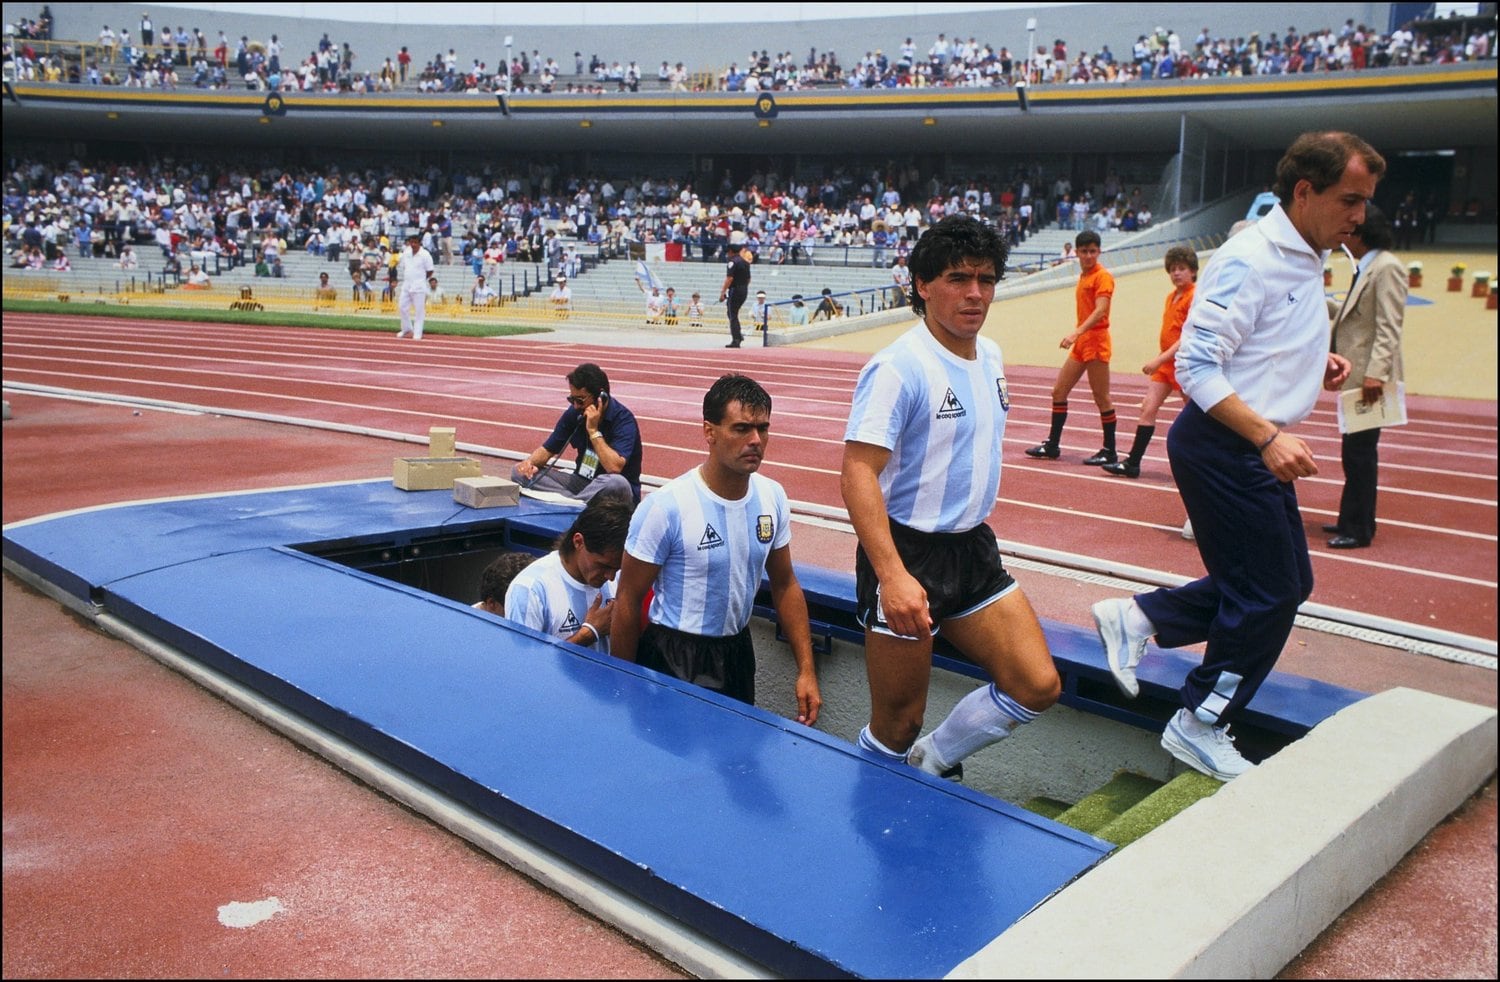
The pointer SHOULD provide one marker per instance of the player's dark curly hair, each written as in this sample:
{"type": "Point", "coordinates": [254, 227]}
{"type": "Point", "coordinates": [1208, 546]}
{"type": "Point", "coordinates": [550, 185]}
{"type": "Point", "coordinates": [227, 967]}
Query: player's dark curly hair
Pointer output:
{"type": "Point", "coordinates": [734, 388]}
{"type": "Point", "coordinates": [949, 243]}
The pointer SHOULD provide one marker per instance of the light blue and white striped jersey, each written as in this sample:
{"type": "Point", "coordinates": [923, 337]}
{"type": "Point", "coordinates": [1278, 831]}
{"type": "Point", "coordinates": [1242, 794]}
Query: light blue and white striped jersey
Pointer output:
{"type": "Point", "coordinates": [545, 598]}
{"type": "Point", "coordinates": [942, 418]}
{"type": "Point", "coordinates": [712, 552]}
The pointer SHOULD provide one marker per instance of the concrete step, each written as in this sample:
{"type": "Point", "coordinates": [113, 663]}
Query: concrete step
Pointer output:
{"type": "Point", "coordinates": [1162, 804]}
{"type": "Point", "coordinates": [1123, 792]}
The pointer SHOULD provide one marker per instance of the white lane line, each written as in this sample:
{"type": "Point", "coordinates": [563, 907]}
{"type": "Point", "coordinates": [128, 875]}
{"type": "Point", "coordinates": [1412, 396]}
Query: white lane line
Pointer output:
{"type": "Point", "coordinates": [1315, 553]}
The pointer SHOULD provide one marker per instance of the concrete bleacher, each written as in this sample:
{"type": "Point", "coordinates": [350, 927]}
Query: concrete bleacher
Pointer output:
{"type": "Point", "coordinates": [90, 276]}
{"type": "Point", "coordinates": [615, 280]}
{"type": "Point", "coordinates": [605, 290]}
{"type": "Point", "coordinates": [604, 282]}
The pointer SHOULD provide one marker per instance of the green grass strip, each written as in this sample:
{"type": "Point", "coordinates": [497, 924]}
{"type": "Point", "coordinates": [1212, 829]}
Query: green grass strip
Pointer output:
{"type": "Point", "coordinates": [89, 307]}
{"type": "Point", "coordinates": [1173, 797]}
{"type": "Point", "coordinates": [1046, 807]}
{"type": "Point", "coordinates": [1123, 792]}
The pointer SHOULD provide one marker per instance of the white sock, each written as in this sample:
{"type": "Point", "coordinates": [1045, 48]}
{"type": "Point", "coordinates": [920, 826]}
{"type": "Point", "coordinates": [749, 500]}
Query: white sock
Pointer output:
{"type": "Point", "coordinates": [981, 718]}
{"type": "Point", "coordinates": [868, 742]}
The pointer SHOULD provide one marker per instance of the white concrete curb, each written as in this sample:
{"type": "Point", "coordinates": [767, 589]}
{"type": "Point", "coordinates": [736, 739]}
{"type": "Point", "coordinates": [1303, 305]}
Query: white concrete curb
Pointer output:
{"type": "Point", "coordinates": [1240, 883]}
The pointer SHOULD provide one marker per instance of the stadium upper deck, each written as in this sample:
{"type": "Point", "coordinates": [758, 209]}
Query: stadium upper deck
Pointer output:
{"type": "Point", "coordinates": [1420, 108]}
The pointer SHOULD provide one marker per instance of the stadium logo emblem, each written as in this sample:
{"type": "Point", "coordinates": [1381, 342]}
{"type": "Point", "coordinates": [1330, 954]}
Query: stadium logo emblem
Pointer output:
{"type": "Point", "coordinates": [274, 105]}
{"type": "Point", "coordinates": [765, 106]}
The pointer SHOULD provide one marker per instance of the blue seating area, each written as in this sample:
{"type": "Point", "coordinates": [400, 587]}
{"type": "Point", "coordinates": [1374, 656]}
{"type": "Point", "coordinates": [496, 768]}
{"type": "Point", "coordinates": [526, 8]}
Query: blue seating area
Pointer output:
{"type": "Point", "coordinates": [785, 844]}
{"type": "Point", "coordinates": [1286, 707]}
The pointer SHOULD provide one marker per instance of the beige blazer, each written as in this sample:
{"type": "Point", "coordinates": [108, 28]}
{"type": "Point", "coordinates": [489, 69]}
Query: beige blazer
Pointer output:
{"type": "Point", "coordinates": [1367, 325]}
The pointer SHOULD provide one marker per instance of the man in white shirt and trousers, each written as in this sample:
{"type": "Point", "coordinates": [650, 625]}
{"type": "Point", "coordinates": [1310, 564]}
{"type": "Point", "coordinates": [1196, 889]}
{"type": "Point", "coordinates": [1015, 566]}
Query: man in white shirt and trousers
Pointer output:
{"type": "Point", "coordinates": [416, 266]}
{"type": "Point", "coordinates": [1254, 353]}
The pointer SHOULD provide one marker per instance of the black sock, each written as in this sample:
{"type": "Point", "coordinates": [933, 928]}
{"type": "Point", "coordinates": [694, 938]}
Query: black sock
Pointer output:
{"type": "Point", "coordinates": [1107, 419]}
{"type": "Point", "coordinates": [1059, 419]}
{"type": "Point", "coordinates": [1143, 436]}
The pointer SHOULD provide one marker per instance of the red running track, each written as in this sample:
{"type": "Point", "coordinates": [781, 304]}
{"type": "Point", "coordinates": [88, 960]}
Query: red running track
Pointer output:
{"type": "Point", "coordinates": [1433, 564]}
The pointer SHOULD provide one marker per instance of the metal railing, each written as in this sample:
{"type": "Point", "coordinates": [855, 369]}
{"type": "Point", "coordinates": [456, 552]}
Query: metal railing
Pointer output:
{"type": "Point", "coordinates": [834, 305]}
{"type": "Point", "coordinates": [261, 295]}
{"type": "Point", "coordinates": [524, 300]}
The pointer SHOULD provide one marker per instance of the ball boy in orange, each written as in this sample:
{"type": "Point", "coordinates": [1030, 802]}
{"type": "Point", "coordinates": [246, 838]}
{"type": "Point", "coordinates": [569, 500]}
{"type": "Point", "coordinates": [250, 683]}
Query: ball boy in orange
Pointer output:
{"type": "Point", "coordinates": [1089, 351]}
{"type": "Point", "coordinates": [1182, 267]}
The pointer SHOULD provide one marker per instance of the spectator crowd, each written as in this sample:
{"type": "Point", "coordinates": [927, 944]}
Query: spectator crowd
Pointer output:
{"type": "Point", "coordinates": [482, 216]}
{"type": "Point", "coordinates": [168, 58]}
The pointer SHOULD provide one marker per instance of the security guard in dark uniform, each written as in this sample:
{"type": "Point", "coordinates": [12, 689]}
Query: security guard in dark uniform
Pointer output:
{"type": "Point", "coordinates": [735, 289]}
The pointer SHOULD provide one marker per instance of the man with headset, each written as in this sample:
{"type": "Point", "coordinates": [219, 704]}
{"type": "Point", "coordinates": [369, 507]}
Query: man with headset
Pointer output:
{"type": "Point", "coordinates": [602, 432]}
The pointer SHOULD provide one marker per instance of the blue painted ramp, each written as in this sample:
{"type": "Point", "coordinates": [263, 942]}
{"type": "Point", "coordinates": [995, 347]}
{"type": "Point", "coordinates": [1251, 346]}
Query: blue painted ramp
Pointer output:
{"type": "Point", "coordinates": [85, 549]}
{"type": "Point", "coordinates": [781, 843]}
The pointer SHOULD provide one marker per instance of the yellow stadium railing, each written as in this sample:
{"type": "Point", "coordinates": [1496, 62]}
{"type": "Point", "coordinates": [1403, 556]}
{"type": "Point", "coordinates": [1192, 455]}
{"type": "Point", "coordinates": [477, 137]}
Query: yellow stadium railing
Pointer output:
{"type": "Point", "coordinates": [533, 310]}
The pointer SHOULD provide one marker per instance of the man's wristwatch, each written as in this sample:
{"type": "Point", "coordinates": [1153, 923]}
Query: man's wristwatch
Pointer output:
{"type": "Point", "coordinates": [594, 434]}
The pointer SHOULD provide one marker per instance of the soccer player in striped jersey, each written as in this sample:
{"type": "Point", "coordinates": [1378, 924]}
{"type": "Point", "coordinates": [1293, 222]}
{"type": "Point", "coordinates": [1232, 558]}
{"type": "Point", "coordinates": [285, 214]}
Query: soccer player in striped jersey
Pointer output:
{"type": "Point", "coordinates": [920, 474]}
{"type": "Point", "coordinates": [703, 542]}
{"type": "Point", "coordinates": [568, 593]}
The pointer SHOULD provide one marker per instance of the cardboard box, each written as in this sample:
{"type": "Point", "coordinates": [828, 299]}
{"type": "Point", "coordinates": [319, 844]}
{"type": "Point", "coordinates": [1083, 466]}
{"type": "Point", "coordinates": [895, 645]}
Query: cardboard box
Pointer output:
{"type": "Point", "coordinates": [432, 473]}
{"type": "Point", "coordinates": [442, 441]}
{"type": "Point", "coordinates": [486, 492]}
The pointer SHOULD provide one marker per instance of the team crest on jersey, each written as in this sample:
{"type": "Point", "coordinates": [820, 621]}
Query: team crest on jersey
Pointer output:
{"type": "Point", "coordinates": [1004, 395]}
{"type": "Point", "coordinates": [764, 528]}
{"type": "Point", "coordinates": [711, 538]}
{"type": "Point", "coordinates": [951, 407]}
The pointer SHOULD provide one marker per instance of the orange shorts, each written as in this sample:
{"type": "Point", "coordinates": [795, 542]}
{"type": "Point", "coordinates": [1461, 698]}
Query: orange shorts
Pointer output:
{"type": "Point", "coordinates": [1093, 345]}
{"type": "Point", "coordinates": [1167, 373]}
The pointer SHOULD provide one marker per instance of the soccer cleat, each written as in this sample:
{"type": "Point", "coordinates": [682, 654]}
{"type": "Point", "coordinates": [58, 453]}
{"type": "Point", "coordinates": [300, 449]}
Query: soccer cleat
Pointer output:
{"type": "Point", "coordinates": [1124, 468]}
{"type": "Point", "coordinates": [1045, 451]}
{"type": "Point", "coordinates": [1104, 456]}
{"type": "Point", "coordinates": [923, 758]}
{"type": "Point", "coordinates": [1121, 651]}
{"type": "Point", "coordinates": [1209, 749]}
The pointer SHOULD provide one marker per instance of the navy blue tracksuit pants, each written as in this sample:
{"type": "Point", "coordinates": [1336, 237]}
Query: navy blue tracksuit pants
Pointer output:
{"type": "Point", "coordinates": [1250, 536]}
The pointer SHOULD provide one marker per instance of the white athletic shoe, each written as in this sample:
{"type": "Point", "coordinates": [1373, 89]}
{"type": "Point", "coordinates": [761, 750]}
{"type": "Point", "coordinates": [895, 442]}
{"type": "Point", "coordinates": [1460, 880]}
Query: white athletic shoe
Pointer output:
{"type": "Point", "coordinates": [1122, 651]}
{"type": "Point", "coordinates": [1205, 748]}
{"type": "Point", "coordinates": [924, 758]}
{"type": "Point", "coordinates": [1187, 530]}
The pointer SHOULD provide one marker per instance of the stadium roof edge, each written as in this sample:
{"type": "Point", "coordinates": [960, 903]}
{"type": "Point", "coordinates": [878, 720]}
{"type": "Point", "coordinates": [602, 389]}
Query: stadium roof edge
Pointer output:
{"type": "Point", "coordinates": [1435, 107]}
